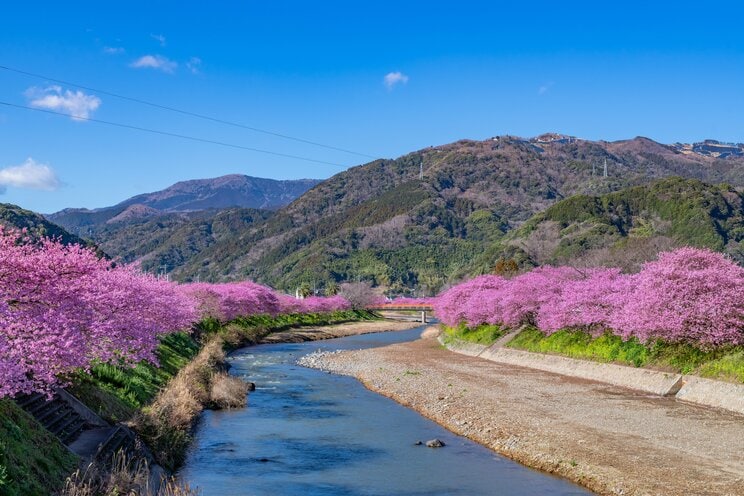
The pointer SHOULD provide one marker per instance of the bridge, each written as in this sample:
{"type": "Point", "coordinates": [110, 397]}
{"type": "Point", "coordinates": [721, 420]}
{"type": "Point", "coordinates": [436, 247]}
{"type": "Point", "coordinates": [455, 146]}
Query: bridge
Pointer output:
{"type": "Point", "coordinates": [405, 307]}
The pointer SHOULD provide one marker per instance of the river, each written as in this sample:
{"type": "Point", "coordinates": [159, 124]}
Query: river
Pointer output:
{"type": "Point", "coordinates": [309, 433]}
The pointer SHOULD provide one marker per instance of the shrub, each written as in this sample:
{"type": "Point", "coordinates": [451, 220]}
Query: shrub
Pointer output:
{"type": "Point", "coordinates": [228, 391]}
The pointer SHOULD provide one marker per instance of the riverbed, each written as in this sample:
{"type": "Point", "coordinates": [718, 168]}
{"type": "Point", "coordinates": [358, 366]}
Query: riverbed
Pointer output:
{"type": "Point", "coordinates": [306, 432]}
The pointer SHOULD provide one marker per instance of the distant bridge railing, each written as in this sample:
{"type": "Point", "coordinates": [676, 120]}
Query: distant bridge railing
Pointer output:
{"type": "Point", "coordinates": [410, 307]}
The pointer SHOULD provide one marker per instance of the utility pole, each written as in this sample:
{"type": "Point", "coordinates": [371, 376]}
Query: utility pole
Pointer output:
{"type": "Point", "coordinates": [605, 168]}
{"type": "Point", "coordinates": [594, 169]}
{"type": "Point", "coordinates": [421, 171]}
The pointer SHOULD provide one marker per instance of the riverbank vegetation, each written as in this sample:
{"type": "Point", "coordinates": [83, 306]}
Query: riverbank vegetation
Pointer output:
{"type": "Point", "coordinates": [161, 403]}
{"type": "Point", "coordinates": [32, 460]}
{"type": "Point", "coordinates": [683, 312]}
{"type": "Point", "coordinates": [132, 347]}
{"type": "Point", "coordinates": [485, 334]}
{"type": "Point", "coordinates": [723, 363]}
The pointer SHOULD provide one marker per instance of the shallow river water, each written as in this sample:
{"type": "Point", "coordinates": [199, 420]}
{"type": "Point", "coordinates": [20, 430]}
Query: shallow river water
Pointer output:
{"type": "Point", "coordinates": [306, 432]}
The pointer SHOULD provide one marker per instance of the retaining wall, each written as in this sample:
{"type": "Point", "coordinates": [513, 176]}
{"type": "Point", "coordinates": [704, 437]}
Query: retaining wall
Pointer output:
{"type": "Point", "coordinates": [687, 388]}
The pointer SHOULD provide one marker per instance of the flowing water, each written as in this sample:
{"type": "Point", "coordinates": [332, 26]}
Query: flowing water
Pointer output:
{"type": "Point", "coordinates": [308, 433]}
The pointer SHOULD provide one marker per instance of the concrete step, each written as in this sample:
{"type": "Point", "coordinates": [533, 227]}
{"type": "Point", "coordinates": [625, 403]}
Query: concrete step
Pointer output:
{"type": "Point", "coordinates": [120, 439]}
{"type": "Point", "coordinates": [55, 414]}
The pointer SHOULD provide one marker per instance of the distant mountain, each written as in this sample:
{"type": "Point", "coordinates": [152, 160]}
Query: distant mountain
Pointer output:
{"type": "Point", "coordinates": [382, 223]}
{"type": "Point", "coordinates": [37, 226]}
{"type": "Point", "coordinates": [188, 196]}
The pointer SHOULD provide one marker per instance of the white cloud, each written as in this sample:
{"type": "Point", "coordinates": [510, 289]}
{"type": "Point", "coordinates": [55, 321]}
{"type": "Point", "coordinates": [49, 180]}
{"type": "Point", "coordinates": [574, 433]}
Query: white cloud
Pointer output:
{"type": "Point", "coordinates": [159, 38]}
{"type": "Point", "coordinates": [393, 79]}
{"type": "Point", "coordinates": [75, 103]}
{"type": "Point", "coordinates": [157, 62]}
{"type": "Point", "coordinates": [194, 64]}
{"type": "Point", "coordinates": [544, 88]}
{"type": "Point", "coordinates": [31, 175]}
{"type": "Point", "coordinates": [113, 50]}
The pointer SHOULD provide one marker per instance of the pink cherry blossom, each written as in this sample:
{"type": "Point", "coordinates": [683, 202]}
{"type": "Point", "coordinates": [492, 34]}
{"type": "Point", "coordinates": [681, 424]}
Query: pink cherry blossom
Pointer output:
{"type": "Point", "coordinates": [688, 295]}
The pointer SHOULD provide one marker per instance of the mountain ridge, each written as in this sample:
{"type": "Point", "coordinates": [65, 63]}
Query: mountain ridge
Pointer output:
{"type": "Point", "coordinates": [232, 190]}
{"type": "Point", "coordinates": [472, 192]}
{"type": "Point", "coordinates": [384, 223]}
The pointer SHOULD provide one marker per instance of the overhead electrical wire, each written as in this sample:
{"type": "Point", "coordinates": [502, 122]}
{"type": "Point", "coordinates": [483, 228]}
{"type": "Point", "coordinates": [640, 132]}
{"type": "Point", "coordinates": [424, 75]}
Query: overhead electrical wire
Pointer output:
{"type": "Point", "coordinates": [184, 112]}
{"type": "Point", "coordinates": [173, 135]}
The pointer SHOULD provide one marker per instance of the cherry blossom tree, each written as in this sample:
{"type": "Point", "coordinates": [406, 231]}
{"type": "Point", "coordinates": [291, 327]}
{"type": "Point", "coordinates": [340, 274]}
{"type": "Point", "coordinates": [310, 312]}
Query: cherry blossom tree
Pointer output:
{"type": "Point", "coordinates": [687, 295]}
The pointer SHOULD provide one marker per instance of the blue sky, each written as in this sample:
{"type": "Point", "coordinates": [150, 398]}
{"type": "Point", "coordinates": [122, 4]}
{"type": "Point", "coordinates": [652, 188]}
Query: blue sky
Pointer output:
{"type": "Point", "coordinates": [317, 70]}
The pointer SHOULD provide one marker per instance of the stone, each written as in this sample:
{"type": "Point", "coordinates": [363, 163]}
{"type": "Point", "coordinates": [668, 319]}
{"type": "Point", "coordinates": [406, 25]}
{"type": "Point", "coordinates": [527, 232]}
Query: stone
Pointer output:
{"type": "Point", "coordinates": [435, 443]}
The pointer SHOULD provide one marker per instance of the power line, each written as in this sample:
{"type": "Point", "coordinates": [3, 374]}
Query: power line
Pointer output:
{"type": "Point", "coordinates": [185, 112]}
{"type": "Point", "coordinates": [173, 135]}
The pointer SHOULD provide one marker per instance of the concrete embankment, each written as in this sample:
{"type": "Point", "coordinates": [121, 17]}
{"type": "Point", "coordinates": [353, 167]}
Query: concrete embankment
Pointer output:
{"type": "Point", "coordinates": [713, 393]}
{"type": "Point", "coordinates": [688, 388]}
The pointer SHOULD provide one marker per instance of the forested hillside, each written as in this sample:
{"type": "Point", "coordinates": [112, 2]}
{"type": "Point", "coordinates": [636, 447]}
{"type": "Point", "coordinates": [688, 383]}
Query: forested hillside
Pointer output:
{"type": "Point", "coordinates": [627, 227]}
{"type": "Point", "coordinates": [167, 241]}
{"type": "Point", "coordinates": [380, 222]}
{"type": "Point", "coordinates": [36, 226]}
{"type": "Point", "coordinates": [436, 215]}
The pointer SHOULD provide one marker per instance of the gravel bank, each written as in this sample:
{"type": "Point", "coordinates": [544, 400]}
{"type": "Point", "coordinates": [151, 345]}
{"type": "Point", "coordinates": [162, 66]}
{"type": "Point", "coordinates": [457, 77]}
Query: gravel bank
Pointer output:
{"type": "Point", "coordinates": [302, 334]}
{"type": "Point", "coordinates": [611, 440]}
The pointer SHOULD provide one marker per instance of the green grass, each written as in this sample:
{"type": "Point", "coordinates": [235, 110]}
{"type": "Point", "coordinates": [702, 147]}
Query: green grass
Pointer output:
{"type": "Point", "coordinates": [485, 334]}
{"type": "Point", "coordinates": [724, 363]}
{"type": "Point", "coordinates": [32, 460]}
{"type": "Point", "coordinates": [116, 392]}
{"type": "Point", "coordinates": [577, 344]}
{"type": "Point", "coordinates": [729, 367]}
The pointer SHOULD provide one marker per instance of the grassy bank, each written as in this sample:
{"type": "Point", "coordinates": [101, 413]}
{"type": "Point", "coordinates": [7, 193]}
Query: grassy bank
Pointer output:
{"type": "Point", "coordinates": [32, 460]}
{"type": "Point", "coordinates": [117, 393]}
{"type": "Point", "coordinates": [160, 402]}
{"type": "Point", "coordinates": [485, 334]}
{"type": "Point", "coordinates": [724, 363]}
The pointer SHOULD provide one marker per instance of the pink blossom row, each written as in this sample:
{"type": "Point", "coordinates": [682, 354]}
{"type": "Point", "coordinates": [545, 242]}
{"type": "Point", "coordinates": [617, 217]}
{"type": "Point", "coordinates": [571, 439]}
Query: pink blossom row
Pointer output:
{"type": "Point", "coordinates": [63, 308]}
{"type": "Point", "coordinates": [227, 301]}
{"type": "Point", "coordinates": [688, 295]}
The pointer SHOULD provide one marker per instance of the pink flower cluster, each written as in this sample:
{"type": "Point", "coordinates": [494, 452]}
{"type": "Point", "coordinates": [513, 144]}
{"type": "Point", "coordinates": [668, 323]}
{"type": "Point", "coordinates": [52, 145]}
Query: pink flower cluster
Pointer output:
{"type": "Point", "coordinates": [688, 295]}
{"type": "Point", "coordinates": [313, 304]}
{"type": "Point", "coordinates": [227, 301]}
{"type": "Point", "coordinates": [62, 308]}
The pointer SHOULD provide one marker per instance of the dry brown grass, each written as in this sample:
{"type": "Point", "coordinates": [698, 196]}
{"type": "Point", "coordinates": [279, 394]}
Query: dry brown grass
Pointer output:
{"type": "Point", "coordinates": [236, 335]}
{"type": "Point", "coordinates": [166, 424]}
{"type": "Point", "coordinates": [124, 476]}
{"type": "Point", "coordinates": [228, 391]}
